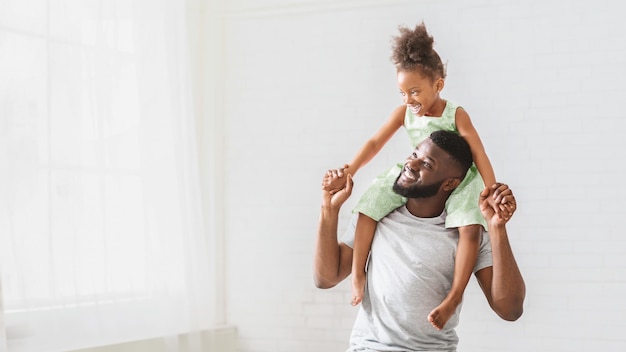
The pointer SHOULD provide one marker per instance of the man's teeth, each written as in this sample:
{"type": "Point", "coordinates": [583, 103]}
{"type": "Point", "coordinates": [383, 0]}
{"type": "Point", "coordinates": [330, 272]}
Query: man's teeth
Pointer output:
{"type": "Point", "coordinates": [408, 174]}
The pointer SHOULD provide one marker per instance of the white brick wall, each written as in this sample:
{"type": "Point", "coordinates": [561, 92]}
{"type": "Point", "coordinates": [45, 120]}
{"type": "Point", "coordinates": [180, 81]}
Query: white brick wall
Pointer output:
{"type": "Point", "coordinates": [306, 83]}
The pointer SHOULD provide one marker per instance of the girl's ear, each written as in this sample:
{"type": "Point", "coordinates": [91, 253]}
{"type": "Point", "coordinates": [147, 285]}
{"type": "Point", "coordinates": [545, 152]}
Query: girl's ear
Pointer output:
{"type": "Point", "coordinates": [451, 184]}
{"type": "Point", "coordinates": [439, 84]}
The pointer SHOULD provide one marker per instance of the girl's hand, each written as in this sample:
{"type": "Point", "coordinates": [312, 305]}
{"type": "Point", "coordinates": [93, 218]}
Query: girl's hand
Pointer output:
{"type": "Point", "coordinates": [497, 203]}
{"type": "Point", "coordinates": [493, 204]}
{"type": "Point", "coordinates": [335, 200]}
{"type": "Point", "coordinates": [334, 180]}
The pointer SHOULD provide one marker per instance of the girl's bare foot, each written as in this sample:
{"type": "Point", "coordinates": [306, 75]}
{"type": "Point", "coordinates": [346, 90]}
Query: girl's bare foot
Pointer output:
{"type": "Point", "coordinates": [358, 289]}
{"type": "Point", "coordinates": [439, 316]}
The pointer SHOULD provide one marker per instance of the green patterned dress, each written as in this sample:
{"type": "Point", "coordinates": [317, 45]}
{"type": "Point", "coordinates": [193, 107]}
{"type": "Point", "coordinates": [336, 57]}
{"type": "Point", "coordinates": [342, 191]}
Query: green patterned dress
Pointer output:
{"type": "Point", "coordinates": [462, 206]}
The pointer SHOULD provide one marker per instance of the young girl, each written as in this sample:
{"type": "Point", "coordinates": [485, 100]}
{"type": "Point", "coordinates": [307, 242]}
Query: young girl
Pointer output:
{"type": "Point", "coordinates": [420, 76]}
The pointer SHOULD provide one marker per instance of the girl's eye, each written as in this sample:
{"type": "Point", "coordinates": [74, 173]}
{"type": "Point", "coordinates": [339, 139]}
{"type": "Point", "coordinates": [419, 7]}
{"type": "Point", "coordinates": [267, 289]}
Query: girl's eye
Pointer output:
{"type": "Point", "coordinates": [413, 93]}
{"type": "Point", "coordinates": [402, 93]}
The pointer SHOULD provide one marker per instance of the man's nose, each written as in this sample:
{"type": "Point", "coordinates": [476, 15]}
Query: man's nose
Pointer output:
{"type": "Point", "coordinates": [414, 164]}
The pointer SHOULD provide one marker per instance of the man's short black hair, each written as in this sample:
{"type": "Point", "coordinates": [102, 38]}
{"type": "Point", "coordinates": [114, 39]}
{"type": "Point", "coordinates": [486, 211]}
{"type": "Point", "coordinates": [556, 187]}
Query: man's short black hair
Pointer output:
{"type": "Point", "coordinates": [455, 145]}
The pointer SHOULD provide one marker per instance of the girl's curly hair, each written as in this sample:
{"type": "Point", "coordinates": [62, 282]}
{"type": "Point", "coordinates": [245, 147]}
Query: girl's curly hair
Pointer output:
{"type": "Point", "coordinates": [413, 49]}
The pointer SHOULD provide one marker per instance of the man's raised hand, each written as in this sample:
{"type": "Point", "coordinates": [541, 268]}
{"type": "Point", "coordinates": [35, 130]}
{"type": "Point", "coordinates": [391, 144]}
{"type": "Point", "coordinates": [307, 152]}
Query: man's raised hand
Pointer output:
{"type": "Point", "coordinates": [497, 203]}
{"type": "Point", "coordinates": [335, 199]}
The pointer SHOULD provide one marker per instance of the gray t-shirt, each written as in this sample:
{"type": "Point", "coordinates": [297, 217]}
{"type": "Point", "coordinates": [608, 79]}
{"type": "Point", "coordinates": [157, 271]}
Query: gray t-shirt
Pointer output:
{"type": "Point", "coordinates": [410, 272]}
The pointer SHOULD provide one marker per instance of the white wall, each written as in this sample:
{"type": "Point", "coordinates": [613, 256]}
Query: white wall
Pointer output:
{"type": "Point", "coordinates": [306, 83]}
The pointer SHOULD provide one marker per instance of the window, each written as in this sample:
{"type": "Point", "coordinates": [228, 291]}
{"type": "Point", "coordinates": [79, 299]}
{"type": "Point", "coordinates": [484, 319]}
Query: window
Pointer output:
{"type": "Point", "coordinates": [101, 236]}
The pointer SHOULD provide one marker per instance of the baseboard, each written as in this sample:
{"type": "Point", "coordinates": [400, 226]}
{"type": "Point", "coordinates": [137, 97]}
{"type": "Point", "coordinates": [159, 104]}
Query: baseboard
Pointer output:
{"type": "Point", "coordinates": [220, 339]}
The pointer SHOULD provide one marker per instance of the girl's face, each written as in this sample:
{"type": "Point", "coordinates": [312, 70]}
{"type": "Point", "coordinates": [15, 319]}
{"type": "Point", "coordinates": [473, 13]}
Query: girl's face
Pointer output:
{"type": "Point", "coordinates": [420, 93]}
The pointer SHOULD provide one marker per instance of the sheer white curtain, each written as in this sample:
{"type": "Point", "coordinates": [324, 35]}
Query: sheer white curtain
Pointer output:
{"type": "Point", "coordinates": [101, 236]}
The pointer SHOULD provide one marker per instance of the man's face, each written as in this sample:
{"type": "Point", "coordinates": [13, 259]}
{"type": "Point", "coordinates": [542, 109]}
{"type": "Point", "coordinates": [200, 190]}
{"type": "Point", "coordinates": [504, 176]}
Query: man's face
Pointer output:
{"type": "Point", "coordinates": [424, 172]}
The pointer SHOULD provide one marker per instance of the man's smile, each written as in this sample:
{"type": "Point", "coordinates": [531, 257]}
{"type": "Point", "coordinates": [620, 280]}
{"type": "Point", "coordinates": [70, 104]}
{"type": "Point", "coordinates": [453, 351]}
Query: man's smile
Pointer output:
{"type": "Point", "coordinates": [408, 173]}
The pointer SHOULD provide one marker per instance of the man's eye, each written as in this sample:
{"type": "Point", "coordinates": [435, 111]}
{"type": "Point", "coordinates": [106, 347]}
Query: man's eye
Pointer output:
{"type": "Point", "coordinates": [413, 93]}
{"type": "Point", "coordinates": [402, 93]}
{"type": "Point", "coordinates": [427, 164]}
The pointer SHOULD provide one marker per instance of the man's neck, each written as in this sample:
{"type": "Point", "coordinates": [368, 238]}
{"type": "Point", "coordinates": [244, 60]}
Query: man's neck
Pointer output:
{"type": "Point", "coordinates": [426, 207]}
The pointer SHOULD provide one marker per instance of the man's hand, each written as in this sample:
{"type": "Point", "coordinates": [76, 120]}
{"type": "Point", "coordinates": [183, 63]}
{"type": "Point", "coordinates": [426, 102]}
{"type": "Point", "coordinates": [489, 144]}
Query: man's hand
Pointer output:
{"type": "Point", "coordinates": [497, 203]}
{"type": "Point", "coordinates": [335, 199]}
{"type": "Point", "coordinates": [335, 180]}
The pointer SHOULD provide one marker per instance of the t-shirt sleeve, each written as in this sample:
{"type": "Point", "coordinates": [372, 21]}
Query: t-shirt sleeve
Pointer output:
{"type": "Point", "coordinates": [348, 234]}
{"type": "Point", "coordinates": [484, 253]}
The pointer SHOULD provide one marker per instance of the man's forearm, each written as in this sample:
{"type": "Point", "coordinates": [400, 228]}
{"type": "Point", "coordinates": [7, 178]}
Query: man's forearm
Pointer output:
{"type": "Point", "coordinates": [327, 251]}
{"type": "Point", "coordinates": [508, 289]}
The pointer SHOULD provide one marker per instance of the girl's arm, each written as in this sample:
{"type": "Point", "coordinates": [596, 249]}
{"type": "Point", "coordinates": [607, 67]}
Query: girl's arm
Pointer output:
{"type": "Point", "coordinates": [467, 131]}
{"type": "Point", "coordinates": [368, 151]}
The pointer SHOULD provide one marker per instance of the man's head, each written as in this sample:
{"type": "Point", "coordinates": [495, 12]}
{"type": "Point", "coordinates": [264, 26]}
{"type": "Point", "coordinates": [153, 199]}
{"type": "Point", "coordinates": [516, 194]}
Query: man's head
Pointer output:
{"type": "Point", "coordinates": [438, 164]}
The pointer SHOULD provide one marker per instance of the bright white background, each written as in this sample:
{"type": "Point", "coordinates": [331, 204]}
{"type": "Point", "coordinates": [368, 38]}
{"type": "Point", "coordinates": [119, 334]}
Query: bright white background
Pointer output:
{"type": "Point", "coordinates": [290, 88]}
{"type": "Point", "coordinates": [305, 83]}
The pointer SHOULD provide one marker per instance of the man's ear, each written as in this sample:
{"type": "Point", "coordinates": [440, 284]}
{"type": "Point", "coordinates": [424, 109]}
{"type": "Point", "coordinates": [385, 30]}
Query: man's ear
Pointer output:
{"type": "Point", "coordinates": [451, 184]}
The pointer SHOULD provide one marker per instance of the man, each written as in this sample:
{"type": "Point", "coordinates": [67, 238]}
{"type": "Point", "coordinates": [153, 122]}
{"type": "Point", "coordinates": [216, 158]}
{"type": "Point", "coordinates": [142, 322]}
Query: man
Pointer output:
{"type": "Point", "coordinates": [411, 262]}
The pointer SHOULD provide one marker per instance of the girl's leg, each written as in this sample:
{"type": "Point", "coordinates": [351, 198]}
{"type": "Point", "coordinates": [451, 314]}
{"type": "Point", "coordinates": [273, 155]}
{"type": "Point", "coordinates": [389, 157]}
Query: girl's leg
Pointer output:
{"type": "Point", "coordinates": [466, 254]}
{"type": "Point", "coordinates": [363, 237]}
{"type": "Point", "coordinates": [378, 200]}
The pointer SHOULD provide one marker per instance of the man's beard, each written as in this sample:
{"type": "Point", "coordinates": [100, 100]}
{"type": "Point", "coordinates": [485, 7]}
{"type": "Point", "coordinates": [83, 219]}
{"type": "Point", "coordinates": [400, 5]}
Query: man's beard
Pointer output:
{"type": "Point", "coordinates": [417, 191]}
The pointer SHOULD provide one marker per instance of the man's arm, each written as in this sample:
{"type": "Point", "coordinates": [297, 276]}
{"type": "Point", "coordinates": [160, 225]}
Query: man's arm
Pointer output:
{"type": "Point", "coordinates": [333, 260]}
{"type": "Point", "coordinates": [502, 283]}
